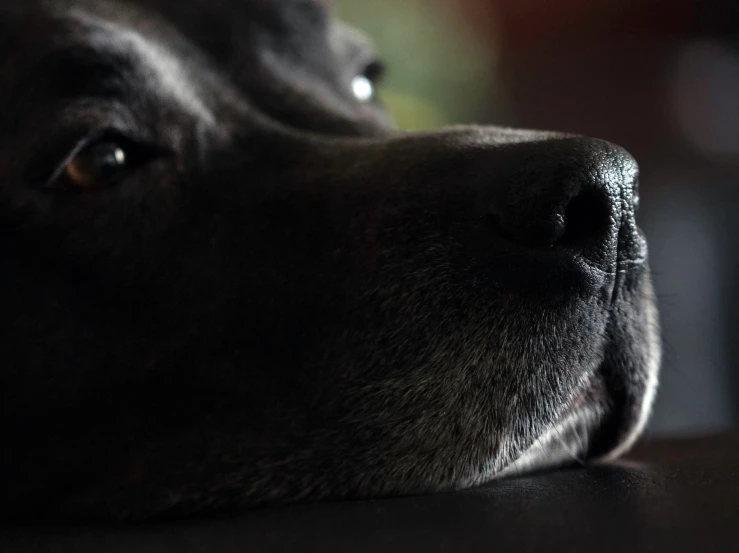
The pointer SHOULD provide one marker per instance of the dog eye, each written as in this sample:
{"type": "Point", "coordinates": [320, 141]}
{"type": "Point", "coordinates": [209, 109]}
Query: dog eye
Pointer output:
{"type": "Point", "coordinates": [364, 85]}
{"type": "Point", "coordinates": [95, 164]}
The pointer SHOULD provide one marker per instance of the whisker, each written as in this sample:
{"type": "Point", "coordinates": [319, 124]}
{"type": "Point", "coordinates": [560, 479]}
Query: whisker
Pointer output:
{"type": "Point", "coordinates": [564, 446]}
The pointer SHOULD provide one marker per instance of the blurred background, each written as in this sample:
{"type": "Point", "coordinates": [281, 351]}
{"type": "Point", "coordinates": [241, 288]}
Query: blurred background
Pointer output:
{"type": "Point", "coordinates": [660, 77]}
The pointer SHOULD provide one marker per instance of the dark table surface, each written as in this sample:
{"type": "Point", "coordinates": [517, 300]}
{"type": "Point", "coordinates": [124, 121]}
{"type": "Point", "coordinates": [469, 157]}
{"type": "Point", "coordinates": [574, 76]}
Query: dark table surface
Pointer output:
{"type": "Point", "coordinates": [669, 495]}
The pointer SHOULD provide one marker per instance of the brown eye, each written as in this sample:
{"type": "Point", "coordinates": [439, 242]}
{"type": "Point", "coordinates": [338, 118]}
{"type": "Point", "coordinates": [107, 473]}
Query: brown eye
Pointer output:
{"type": "Point", "coordinates": [96, 165]}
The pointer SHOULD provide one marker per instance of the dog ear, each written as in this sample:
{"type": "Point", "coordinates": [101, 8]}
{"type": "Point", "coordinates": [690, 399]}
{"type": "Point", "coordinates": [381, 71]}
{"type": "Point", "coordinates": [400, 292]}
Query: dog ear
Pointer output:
{"type": "Point", "coordinates": [9, 18]}
{"type": "Point", "coordinates": [19, 20]}
{"type": "Point", "coordinates": [5, 29]}
{"type": "Point", "coordinates": [10, 25]}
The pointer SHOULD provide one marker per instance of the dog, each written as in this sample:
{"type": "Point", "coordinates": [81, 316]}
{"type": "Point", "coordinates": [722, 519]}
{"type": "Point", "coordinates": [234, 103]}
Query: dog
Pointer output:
{"type": "Point", "coordinates": [228, 281]}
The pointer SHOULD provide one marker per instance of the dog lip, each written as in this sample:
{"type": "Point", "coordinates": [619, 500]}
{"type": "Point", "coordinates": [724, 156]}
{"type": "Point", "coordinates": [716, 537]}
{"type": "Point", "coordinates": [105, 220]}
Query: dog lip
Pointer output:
{"type": "Point", "coordinates": [591, 394]}
{"type": "Point", "coordinates": [578, 401]}
{"type": "Point", "coordinates": [568, 440]}
{"type": "Point", "coordinates": [563, 443]}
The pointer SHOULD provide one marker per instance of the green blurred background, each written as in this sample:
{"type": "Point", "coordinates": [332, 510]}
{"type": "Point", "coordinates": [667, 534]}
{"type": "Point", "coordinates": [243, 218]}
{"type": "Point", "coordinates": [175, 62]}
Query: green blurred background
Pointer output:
{"type": "Point", "coordinates": [660, 77]}
{"type": "Point", "coordinates": [439, 72]}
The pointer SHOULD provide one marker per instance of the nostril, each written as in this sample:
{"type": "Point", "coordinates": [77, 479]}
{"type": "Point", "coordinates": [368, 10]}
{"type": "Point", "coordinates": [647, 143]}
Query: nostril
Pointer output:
{"type": "Point", "coordinates": [587, 216]}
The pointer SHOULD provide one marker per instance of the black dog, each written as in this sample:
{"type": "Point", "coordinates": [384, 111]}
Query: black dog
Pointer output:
{"type": "Point", "coordinates": [227, 281]}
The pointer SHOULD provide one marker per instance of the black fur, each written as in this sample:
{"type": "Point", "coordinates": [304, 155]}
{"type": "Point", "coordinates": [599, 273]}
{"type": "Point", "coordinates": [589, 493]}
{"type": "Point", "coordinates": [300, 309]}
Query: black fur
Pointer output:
{"type": "Point", "coordinates": [286, 299]}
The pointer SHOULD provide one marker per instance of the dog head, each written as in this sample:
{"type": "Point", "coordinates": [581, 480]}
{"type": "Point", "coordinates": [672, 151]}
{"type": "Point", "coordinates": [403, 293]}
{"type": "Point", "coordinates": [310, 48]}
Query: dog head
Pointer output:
{"type": "Point", "coordinates": [228, 281]}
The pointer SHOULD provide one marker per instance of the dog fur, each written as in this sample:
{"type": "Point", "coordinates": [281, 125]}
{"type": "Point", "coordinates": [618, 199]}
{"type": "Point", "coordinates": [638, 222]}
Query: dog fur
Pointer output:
{"type": "Point", "coordinates": [281, 297]}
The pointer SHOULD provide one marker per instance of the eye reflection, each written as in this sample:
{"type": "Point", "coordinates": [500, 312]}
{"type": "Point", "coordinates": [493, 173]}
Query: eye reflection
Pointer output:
{"type": "Point", "coordinates": [363, 88]}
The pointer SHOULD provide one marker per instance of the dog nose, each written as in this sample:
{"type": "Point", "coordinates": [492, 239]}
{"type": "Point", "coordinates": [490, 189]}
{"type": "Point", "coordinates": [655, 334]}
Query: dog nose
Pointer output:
{"type": "Point", "coordinates": [573, 194]}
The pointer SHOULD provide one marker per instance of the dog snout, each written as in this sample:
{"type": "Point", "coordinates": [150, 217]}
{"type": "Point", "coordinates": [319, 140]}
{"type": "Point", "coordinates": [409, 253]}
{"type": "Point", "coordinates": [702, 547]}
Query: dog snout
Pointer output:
{"type": "Point", "coordinates": [577, 196]}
